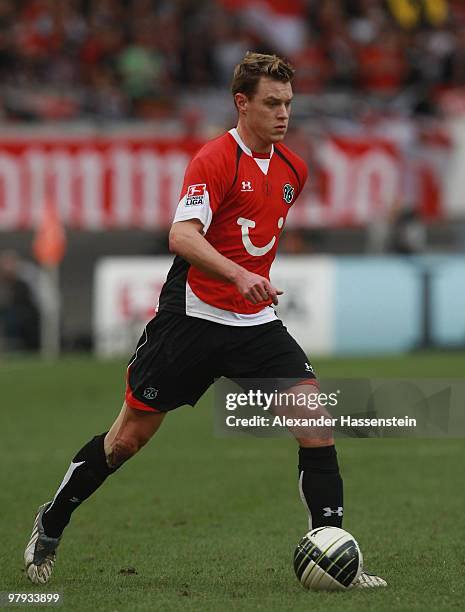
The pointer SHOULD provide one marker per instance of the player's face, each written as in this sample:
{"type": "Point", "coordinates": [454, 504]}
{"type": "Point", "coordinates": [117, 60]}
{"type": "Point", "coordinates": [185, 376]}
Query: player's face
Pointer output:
{"type": "Point", "coordinates": [267, 112]}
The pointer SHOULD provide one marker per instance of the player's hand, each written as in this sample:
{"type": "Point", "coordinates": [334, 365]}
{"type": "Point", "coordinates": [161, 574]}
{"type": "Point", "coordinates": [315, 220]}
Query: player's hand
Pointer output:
{"type": "Point", "coordinates": [256, 288]}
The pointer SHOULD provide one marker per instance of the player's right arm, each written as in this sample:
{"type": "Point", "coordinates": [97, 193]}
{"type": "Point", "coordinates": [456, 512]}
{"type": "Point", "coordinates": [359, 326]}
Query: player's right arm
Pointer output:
{"type": "Point", "coordinates": [187, 241]}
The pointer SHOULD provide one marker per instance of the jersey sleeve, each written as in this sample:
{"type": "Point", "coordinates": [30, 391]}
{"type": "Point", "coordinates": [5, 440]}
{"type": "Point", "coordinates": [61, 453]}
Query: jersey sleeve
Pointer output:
{"type": "Point", "coordinates": [202, 192]}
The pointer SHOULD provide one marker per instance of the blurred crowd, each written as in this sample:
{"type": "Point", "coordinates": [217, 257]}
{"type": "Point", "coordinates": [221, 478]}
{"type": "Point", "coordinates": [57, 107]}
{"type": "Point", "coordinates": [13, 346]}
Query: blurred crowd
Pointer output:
{"type": "Point", "coordinates": [114, 59]}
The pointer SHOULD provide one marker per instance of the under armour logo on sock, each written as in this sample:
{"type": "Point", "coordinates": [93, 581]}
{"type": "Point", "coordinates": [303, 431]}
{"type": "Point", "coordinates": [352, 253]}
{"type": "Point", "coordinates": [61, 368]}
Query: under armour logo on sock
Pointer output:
{"type": "Point", "coordinates": [75, 500]}
{"type": "Point", "coordinates": [328, 511]}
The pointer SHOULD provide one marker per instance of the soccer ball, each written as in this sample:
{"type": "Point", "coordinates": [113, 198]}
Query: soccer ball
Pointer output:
{"type": "Point", "coordinates": [327, 558]}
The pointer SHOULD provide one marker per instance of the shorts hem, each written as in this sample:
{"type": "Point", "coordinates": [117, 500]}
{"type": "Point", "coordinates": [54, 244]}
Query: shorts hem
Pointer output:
{"type": "Point", "coordinates": [142, 407]}
{"type": "Point", "coordinates": [136, 404]}
{"type": "Point", "coordinates": [308, 381]}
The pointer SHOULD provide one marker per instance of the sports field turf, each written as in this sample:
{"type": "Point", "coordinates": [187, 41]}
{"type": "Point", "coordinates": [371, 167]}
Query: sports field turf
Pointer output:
{"type": "Point", "coordinates": [195, 522]}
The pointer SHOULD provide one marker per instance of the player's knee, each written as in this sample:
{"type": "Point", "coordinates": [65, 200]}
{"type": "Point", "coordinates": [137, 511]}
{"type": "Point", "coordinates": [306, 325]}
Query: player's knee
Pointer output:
{"type": "Point", "coordinates": [122, 449]}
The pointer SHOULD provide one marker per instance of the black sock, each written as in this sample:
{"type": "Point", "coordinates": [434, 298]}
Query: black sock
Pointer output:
{"type": "Point", "coordinates": [86, 473]}
{"type": "Point", "coordinates": [320, 486]}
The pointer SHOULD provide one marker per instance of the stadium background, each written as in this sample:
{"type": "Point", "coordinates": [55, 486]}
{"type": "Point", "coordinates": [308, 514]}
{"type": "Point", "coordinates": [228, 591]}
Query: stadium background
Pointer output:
{"type": "Point", "coordinates": [101, 105]}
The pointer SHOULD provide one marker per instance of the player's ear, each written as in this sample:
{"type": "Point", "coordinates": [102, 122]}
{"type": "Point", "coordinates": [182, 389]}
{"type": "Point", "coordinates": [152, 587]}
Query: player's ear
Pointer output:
{"type": "Point", "coordinates": [241, 102]}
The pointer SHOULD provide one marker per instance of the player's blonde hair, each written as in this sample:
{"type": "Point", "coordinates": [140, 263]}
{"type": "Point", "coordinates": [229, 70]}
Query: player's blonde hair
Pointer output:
{"type": "Point", "coordinates": [256, 65]}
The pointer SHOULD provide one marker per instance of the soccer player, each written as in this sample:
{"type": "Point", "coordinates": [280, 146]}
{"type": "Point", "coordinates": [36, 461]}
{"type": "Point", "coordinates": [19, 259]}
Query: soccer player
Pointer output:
{"type": "Point", "coordinates": [215, 315]}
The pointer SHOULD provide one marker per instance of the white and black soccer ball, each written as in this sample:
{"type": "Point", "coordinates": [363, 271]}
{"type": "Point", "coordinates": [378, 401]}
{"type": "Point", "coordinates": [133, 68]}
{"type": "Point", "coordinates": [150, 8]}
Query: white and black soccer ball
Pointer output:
{"type": "Point", "coordinates": [327, 559]}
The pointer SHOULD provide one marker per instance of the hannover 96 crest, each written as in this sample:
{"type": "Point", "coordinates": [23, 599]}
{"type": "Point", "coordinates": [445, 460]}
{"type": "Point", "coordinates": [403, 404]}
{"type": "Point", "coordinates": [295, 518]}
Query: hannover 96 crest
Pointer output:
{"type": "Point", "coordinates": [288, 193]}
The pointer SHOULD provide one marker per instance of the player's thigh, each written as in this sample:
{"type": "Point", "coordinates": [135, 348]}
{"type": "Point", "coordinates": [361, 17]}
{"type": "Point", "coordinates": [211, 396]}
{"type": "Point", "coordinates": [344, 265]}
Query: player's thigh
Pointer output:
{"type": "Point", "coordinates": [174, 364]}
{"type": "Point", "coordinates": [267, 357]}
{"type": "Point", "coordinates": [269, 353]}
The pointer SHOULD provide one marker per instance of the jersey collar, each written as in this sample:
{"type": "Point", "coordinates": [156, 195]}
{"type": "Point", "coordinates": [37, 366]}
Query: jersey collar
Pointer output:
{"type": "Point", "coordinates": [235, 134]}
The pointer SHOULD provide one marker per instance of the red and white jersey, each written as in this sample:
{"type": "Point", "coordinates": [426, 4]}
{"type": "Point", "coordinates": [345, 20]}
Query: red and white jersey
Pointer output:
{"type": "Point", "coordinates": [242, 198]}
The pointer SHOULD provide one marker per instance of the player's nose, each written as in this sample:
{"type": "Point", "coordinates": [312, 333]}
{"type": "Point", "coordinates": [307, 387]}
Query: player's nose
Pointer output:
{"type": "Point", "coordinates": [283, 112]}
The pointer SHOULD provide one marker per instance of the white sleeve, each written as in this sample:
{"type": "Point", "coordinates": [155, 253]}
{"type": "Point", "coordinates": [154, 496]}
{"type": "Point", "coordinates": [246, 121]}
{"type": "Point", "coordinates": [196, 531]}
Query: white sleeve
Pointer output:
{"type": "Point", "coordinates": [195, 205]}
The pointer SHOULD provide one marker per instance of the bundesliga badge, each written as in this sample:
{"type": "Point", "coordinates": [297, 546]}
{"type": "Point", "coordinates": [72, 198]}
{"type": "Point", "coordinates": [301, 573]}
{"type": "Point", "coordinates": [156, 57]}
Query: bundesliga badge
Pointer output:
{"type": "Point", "coordinates": [288, 193]}
{"type": "Point", "coordinates": [195, 194]}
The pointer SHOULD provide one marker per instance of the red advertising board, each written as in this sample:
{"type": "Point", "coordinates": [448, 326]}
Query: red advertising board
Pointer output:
{"type": "Point", "coordinates": [100, 183]}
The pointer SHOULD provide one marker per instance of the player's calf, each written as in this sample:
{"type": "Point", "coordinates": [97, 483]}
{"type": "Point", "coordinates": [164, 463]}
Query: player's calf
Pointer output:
{"type": "Point", "coordinates": [97, 460]}
{"type": "Point", "coordinates": [120, 451]}
{"type": "Point", "coordinates": [129, 433]}
{"type": "Point", "coordinates": [88, 471]}
{"type": "Point", "coordinates": [320, 483]}
{"type": "Point", "coordinates": [321, 486]}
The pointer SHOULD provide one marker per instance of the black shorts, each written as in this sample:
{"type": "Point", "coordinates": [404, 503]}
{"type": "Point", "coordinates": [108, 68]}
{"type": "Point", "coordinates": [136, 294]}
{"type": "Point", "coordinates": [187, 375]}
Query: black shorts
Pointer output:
{"type": "Point", "coordinates": [179, 357]}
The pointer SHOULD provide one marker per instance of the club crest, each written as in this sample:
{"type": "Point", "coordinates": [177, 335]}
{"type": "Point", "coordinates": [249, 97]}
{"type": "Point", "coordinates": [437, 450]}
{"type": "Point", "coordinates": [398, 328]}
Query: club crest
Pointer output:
{"type": "Point", "coordinates": [288, 193]}
{"type": "Point", "coordinates": [150, 393]}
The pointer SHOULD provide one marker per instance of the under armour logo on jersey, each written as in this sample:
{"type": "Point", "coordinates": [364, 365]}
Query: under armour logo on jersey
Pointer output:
{"type": "Point", "coordinates": [329, 511]}
{"type": "Point", "coordinates": [250, 247]}
{"type": "Point", "coordinates": [247, 186]}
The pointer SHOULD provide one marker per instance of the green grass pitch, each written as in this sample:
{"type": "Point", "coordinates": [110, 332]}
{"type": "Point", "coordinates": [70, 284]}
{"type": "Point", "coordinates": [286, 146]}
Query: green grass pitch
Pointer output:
{"type": "Point", "coordinates": [210, 524]}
